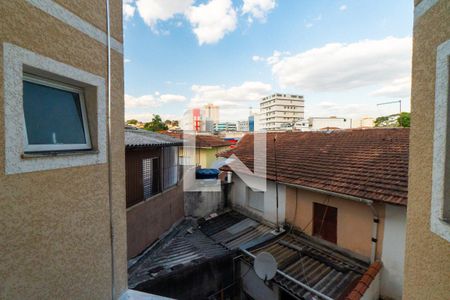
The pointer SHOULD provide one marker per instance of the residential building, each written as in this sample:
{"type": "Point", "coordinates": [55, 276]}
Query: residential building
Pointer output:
{"type": "Point", "coordinates": [225, 126]}
{"type": "Point", "coordinates": [62, 153]}
{"type": "Point", "coordinates": [364, 122]}
{"type": "Point", "coordinates": [347, 189]}
{"type": "Point", "coordinates": [243, 126]}
{"type": "Point", "coordinates": [207, 147]}
{"type": "Point", "coordinates": [154, 195]}
{"type": "Point", "coordinates": [427, 265]}
{"type": "Point", "coordinates": [281, 111]}
{"type": "Point", "coordinates": [327, 123]}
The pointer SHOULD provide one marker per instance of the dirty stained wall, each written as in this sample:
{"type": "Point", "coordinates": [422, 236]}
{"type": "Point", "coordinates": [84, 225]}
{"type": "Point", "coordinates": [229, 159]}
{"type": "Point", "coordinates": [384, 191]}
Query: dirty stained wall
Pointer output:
{"type": "Point", "coordinates": [55, 224]}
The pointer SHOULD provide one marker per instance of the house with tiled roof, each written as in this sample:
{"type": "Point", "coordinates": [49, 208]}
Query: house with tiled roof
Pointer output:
{"type": "Point", "coordinates": [347, 189]}
{"type": "Point", "coordinates": [207, 146]}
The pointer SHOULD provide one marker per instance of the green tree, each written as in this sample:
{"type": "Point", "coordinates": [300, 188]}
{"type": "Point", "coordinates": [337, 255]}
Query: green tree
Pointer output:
{"type": "Point", "coordinates": [404, 119]}
{"type": "Point", "coordinates": [384, 121]}
{"type": "Point", "coordinates": [132, 121]}
{"type": "Point", "coordinates": [156, 124]}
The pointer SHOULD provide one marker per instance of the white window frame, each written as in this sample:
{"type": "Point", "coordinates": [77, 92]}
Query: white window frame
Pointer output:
{"type": "Point", "coordinates": [59, 147]}
{"type": "Point", "coordinates": [441, 164]}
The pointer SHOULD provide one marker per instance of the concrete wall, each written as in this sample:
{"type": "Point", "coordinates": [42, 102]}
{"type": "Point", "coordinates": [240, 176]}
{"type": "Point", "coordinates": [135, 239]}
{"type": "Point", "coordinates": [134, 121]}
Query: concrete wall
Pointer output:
{"type": "Point", "coordinates": [393, 254]}
{"type": "Point", "coordinates": [201, 204]}
{"type": "Point", "coordinates": [239, 200]}
{"type": "Point", "coordinates": [354, 219]}
{"type": "Point", "coordinates": [148, 220]}
{"type": "Point", "coordinates": [55, 236]}
{"type": "Point", "coordinates": [427, 260]}
{"type": "Point", "coordinates": [207, 157]}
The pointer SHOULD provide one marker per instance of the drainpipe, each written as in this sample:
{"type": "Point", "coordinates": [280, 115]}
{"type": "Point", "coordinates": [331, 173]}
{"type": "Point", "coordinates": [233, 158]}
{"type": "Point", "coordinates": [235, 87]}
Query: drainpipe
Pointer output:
{"type": "Point", "coordinates": [376, 220]}
{"type": "Point", "coordinates": [109, 137]}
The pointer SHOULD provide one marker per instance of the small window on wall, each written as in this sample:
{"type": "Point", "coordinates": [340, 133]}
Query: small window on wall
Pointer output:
{"type": "Point", "coordinates": [55, 116]}
{"type": "Point", "coordinates": [170, 166]}
{"type": "Point", "coordinates": [150, 176]}
{"type": "Point", "coordinates": [325, 222]}
{"type": "Point", "coordinates": [255, 199]}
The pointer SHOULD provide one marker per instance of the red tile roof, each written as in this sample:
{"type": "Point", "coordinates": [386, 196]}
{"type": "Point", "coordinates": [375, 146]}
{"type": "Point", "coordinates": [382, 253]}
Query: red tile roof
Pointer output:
{"type": "Point", "coordinates": [202, 140]}
{"type": "Point", "coordinates": [370, 164]}
{"type": "Point", "coordinates": [365, 281]}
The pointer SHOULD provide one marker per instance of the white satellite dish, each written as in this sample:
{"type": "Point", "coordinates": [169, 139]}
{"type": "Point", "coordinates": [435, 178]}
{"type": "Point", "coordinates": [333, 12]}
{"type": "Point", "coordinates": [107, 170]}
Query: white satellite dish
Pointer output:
{"type": "Point", "coordinates": [265, 266]}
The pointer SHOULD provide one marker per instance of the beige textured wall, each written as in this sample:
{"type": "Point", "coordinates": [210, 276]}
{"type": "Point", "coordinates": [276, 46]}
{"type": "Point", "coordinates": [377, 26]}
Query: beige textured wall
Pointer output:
{"type": "Point", "coordinates": [148, 220]}
{"type": "Point", "coordinates": [54, 225]}
{"type": "Point", "coordinates": [427, 264]}
{"type": "Point", "coordinates": [354, 223]}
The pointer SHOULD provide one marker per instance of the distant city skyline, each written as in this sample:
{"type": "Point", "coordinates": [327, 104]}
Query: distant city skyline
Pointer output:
{"type": "Point", "coordinates": [344, 57]}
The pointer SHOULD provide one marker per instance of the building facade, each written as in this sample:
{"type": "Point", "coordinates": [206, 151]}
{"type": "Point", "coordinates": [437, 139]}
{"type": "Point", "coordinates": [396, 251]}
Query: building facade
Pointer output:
{"type": "Point", "coordinates": [427, 267]}
{"type": "Point", "coordinates": [281, 111]}
{"type": "Point", "coordinates": [62, 191]}
{"type": "Point", "coordinates": [324, 123]}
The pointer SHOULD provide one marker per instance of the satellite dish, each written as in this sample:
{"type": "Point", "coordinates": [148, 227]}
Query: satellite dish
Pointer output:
{"type": "Point", "coordinates": [265, 266]}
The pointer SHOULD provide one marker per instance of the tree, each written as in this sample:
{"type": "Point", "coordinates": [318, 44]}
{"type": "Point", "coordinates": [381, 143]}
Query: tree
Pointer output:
{"type": "Point", "coordinates": [156, 124]}
{"type": "Point", "coordinates": [132, 121]}
{"type": "Point", "coordinates": [404, 120]}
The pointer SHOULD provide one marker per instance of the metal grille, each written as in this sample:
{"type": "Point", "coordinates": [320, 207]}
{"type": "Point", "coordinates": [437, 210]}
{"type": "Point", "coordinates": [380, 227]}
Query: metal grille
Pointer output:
{"type": "Point", "coordinates": [147, 176]}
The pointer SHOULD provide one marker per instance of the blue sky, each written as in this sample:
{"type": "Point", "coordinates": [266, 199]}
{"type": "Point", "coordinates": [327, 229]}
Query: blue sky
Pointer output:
{"type": "Point", "coordinates": [343, 56]}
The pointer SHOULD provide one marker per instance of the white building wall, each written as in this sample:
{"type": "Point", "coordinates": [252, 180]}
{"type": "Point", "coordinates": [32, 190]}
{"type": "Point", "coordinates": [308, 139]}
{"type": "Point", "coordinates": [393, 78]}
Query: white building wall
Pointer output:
{"type": "Point", "coordinates": [373, 292]}
{"type": "Point", "coordinates": [393, 254]}
{"type": "Point", "coordinates": [239, 199]}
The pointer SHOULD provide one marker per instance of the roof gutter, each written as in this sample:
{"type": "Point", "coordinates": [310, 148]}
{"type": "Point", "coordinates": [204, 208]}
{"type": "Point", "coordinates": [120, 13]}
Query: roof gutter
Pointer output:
{"type": "Point", "coordinates": [375, 221]}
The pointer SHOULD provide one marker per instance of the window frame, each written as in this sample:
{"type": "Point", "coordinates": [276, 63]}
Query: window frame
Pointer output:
{"type": "Point", "coordinates": [325, 220]}
{"type": "Point", "coordinates": [29, 148]}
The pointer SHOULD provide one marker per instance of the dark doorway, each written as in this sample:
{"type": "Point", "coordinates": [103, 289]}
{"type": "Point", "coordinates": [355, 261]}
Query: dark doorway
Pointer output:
{"type": "Point", "coordinates": [325, 222]}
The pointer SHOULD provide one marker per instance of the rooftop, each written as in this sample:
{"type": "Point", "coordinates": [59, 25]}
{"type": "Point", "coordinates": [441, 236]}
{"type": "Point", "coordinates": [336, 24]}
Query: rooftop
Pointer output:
{"type": "Point", "coordinates": [365, 163]}
{"type": "Point", "coordinates": [139, 138]}
{"type": "Point", "coordinates": [201, 140]}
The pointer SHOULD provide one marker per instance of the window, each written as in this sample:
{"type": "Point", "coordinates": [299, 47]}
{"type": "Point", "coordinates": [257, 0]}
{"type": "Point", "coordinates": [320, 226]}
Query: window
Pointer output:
{"type": "Point", "coordinates": [55, 116]}
{"type": "Point", "coordinates": [255, 199]}
{"type": "Point", "coordinates": [325, 222]}
{"type": "Point", "coordinates": [150, 176]}
{"type": "Point", "coordinates": [170, 166]}
{"type": "Point", "coordinates": [440, 200]}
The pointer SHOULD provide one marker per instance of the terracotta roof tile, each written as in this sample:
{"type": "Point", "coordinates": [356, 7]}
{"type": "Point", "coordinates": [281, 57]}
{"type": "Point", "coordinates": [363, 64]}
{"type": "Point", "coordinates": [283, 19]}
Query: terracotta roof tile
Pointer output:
{"type": "Point", "coordinates": [370, 163]}
{"type": "Point", "coordinates": [202, 140]}
{"type": "Point", "coordinates": [365, 281]}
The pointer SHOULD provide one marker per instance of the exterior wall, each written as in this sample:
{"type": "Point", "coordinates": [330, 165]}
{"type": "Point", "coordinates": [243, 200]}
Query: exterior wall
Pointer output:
{"type": "Point", "coordinates": [373, 292]}
{"type": "Point", "coordinates": [201, 204]}
{"type": "Point", "coordinates": [239, 200]}
{"type": "Point", "coordinates": [56, 234]}
{"type": "Point", "coordinates": [354, 220]}
{"type": "Point", "coordinates": [393, 254]}
{"type": "Point", "coordinates": [427, 260]}
{"type": "Point", "coordinates": [207, 157]}
{"type": "Point", "coordinates": [253, 286]}
{"type": "Point", "coordinates": [148, 220]}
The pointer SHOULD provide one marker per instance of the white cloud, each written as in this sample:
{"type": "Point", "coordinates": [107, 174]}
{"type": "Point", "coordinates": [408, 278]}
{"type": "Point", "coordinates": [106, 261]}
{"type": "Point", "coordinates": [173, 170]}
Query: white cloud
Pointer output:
{"type": "Point", "coordinates": [397, 88]}
{"type": "Point", "coordinates": [352, 110]}
{"type": "Point", "coordinates": [338, 67]}
{"type": "Point", "coordinates": [211, 21]}
{"type": "Point", "coordinates": [153, 11]}
{"type": "Point", "coordinates": [309, 25]}
{"type": "Point", "coordinates": [232, 96]}
{"type": "Point", "coordinates": [126, 60]}
{"type": "Point", "coordinates": [343, 7]}
{"type": "Point", "coordinates": [147, 117]}
{"type": "Point", "coordinates": [257, 58]}
{"type": "Point", "coordinates": [128, 9]}
{"type": "Point", "coordinates": [151, 101]}
{"type": "Point", "coordinates": [258, 9]}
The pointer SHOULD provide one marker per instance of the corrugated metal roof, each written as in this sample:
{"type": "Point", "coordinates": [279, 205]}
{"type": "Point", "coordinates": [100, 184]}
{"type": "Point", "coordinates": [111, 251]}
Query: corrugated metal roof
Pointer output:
{"type": "Point", "coordinates": [320, 267]}
{"type": "Point", "coordinates": [137, 138]}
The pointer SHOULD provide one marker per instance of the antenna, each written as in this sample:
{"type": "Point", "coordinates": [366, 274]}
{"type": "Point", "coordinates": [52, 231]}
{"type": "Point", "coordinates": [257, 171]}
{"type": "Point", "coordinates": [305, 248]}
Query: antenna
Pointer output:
{"type": "Point", "coordinates": [265, 266]}
{"type": "Point", "coordinates": [276, 176]}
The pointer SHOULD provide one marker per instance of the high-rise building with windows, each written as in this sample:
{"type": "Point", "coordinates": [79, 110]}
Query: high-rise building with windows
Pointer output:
{"type": "Point", "coordinates": [281, 111]}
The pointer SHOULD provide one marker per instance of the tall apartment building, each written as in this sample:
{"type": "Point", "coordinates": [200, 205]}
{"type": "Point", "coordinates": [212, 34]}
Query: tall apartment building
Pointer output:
{"type": "Point", "coordinates": [62, 189]}
{"type": "Point", "coordinates": [281, 111]}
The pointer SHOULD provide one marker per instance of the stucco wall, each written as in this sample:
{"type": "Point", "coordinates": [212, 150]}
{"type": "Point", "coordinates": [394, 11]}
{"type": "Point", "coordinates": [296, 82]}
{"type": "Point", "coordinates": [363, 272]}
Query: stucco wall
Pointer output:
{"type": "Point", "coordinates": [207, 157]}
{"type": "Point", "coordinates": [393, 254]}
{"type": "Point", "coordinates": [427, 261]}
{"type": "Point", "coordinates": [354, 219]}
{"type": "Point", "coordinates": [55, 236]}
{"type": "Point", "coordinates": [239, 200]}
{"type": "Point", "coordinates": [148, 220]}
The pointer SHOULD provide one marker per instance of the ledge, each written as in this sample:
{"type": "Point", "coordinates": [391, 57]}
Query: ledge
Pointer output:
{"type": "Point", "coordinates": [59, 153]}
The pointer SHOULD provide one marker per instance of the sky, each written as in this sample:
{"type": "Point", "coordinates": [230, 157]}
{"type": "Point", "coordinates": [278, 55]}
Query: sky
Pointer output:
{"type": "Point", "coordinates": [344, 57]}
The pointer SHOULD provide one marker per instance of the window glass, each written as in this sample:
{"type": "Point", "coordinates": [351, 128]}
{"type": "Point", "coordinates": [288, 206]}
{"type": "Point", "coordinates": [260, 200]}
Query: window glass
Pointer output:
{"type": "Point", "coordinates": [53, 116]}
